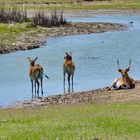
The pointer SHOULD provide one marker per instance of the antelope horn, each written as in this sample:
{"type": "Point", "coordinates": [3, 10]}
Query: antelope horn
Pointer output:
{"type": "Point", "coordinates": [129, 64]}
{"type": "Point", "coordinates": [118, 64]}
{"type": "Point", "coordinates": [35, 59]}
{"type": "Point", "coordinates": [67, 53]}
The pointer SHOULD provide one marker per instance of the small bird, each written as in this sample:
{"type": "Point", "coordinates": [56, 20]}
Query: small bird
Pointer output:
{"type": "Point", "coordinates": [10, 26]}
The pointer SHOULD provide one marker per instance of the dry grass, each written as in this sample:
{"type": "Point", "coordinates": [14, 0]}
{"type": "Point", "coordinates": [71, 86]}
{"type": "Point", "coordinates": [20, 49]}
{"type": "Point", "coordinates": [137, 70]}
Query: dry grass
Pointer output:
{"type": "Point", "coordinates": [76, 5]}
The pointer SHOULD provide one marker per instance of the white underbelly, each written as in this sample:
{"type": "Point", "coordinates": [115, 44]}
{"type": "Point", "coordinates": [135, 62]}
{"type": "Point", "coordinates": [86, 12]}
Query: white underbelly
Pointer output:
{"type": "Point", "coordinates": [118, 85]}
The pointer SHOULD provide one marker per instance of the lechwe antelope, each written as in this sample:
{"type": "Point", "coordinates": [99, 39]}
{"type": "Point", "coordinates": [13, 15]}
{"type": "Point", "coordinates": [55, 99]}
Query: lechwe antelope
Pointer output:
{"type": "Point", "coordinates": [125, 82]}
{"type": "Point", "coordinates": [69, 68]}
{"type": "Point", "coordinates": [36, 74]}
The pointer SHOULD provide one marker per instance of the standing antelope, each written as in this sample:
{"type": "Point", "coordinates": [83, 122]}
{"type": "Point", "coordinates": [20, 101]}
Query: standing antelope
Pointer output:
{"type": "Point", "coordinates": [36, 74]}
{"type": "Point", "coordinates": [69, 68]}
{"type": "Point", "coordinates": [125, 82]}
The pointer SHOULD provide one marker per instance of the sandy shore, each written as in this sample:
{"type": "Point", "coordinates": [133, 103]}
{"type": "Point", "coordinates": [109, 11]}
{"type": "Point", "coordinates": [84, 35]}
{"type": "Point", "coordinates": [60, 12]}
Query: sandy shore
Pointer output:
{"type": "Point", "coordinates": [93, 96]}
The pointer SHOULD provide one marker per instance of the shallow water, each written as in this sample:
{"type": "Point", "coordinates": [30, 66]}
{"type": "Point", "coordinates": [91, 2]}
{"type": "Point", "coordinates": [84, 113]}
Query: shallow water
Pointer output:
{"type": "Point", "coordinates": [94, 55]}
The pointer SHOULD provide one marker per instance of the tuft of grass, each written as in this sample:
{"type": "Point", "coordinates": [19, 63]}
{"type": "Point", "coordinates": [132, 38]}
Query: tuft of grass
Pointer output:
{"type": "Point", "coordinates": [8, 36]}
{"type": "Point", "coordinates": [85, 121]}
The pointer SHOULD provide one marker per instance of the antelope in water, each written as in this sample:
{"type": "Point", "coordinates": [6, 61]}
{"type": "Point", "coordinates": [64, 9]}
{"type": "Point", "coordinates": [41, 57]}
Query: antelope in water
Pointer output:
{"type": "Point", "coordinates": [69, 68]}
{"type": "Point", "coordinates": [125, 82]}
{"type": "Point", "coordinates": [36, 74]}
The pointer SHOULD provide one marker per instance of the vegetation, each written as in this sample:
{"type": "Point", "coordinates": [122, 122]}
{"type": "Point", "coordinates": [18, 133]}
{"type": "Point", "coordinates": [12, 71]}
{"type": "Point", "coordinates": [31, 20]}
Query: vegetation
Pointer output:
{"type": "Point", "coordinates": [13, 14]}
{"type": "Point", "coordinates": [41, 19]}
{"type": "Point", "coordinates": [15, 20]}
{"type": "Point", "coordinates": [75, 5]}
{"type": "Point", "coordinates": [18, 13]}
{"type": "Point", "coordinates": [8, 36]}
{"type": "Point", "coordinates": [86, 121]}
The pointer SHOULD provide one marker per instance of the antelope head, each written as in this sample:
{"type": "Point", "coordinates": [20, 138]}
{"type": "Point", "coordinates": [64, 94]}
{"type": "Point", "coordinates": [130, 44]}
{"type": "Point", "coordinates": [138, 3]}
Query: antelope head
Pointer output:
{"type": "Point", "coordinates": [124, 72]}
{"type": "Point", "coordinates": [68, 56]}
{"type": "Point", "coordinates": [32, 62]}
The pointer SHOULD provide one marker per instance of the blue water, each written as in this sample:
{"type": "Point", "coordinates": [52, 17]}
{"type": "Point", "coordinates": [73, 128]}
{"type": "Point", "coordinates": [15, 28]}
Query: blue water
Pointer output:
{"type": "Point", "coordinates": [90, 73]}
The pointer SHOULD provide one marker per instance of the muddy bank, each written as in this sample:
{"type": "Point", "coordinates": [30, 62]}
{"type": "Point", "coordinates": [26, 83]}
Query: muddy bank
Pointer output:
{"type": "Point", "coordinates": [93, 96]}
{"type": "Point", "coordinates": [35, 38]}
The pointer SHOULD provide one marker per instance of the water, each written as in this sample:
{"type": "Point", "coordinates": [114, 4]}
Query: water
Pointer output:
{"type": "Point", "coordinates": [90, 73]}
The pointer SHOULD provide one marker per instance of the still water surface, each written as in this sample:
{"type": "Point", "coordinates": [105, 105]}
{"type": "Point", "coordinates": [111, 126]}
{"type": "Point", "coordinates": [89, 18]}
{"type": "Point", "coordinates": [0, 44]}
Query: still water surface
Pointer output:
{"type": "Point", "coordinates": [94, 56]}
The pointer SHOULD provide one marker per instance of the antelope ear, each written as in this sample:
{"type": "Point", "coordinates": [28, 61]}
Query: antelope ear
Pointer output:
{"type": "Point", "coordinates": [128, 69]}
{"type": "Point", "coordinates": [35, 59]}
{"type": "Point", "coordinates": [29, 59]}
{"type": "Point", "coordinates": [119, 70]}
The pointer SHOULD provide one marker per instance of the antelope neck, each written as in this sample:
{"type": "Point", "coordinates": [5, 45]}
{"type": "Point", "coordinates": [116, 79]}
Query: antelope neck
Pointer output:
{"type": "Point", "coordinates": [127, 79]}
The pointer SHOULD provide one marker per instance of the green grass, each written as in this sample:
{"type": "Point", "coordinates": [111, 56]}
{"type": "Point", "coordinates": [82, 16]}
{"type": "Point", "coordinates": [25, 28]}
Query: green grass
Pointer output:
{"type": "Point", "coordinates": [73, 122]}
{"type": "Point", "coordinates": [16, 28]}
{"type": "Point", "coordinates": [77, 4]}
{"type": "Point", "coordinates": [101, 6]}
{"type": "Point", "coordinates": [81, 6]}
{"type": "Point", "coordinates": [7, 36]}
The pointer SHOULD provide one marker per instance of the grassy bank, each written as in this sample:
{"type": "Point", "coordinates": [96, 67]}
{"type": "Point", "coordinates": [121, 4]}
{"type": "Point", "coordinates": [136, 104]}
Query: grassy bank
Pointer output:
{"type": "Point", "coordinates": [77, 4]}
{"type": "Point", "coordinates": [8, 36]}
{"type": "Point", "coordinates": [86, 121]}
{"type": "Point", "coordinates": [23, 37]}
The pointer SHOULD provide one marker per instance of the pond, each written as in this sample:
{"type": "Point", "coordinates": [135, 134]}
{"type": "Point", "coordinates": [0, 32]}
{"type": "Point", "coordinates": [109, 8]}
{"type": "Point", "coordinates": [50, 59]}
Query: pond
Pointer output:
{"type": "Point", "coordinates": [94, 55]}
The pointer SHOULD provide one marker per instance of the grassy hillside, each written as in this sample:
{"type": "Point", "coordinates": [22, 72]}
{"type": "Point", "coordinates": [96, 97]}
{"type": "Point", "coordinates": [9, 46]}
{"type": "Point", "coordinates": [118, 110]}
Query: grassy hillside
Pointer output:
{"type": "Point", "coordinates": [118, 121]}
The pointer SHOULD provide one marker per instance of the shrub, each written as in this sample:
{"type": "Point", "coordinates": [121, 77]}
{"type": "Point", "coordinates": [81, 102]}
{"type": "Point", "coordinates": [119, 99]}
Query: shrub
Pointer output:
{"type": "Point", "coordinates": [31, 25]}
{"type": "Point", "coordinates": [40, 18]}
{"type": "Point", "coordinates": [19, 14]}
{"type": "Point", "coordinates": [13, 15]}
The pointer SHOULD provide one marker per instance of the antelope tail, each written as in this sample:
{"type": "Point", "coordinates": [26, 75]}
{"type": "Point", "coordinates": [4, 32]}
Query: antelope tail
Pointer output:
{"type": "Point", "coordinates": [46, 76]}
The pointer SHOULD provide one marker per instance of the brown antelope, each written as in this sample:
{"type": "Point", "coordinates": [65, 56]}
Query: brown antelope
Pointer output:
{"type": "Point", "coordinates": [36, 74]}
{"type": "Point", "coordinates": [69, 68]}
{"type": "Point", "coordinates": [125, 82]}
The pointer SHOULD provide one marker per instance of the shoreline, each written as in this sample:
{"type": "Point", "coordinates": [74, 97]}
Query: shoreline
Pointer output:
{"type": "Point", "coordinates": [59, 99]}
{"type": "Point", "coordinates": [35, 39]}
{"type": "Point", "coordinates": [100, 95]}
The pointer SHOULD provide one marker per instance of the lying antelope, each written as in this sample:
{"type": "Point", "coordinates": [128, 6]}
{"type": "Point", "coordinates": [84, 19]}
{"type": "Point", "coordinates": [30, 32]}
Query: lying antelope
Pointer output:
{"type": "Point", "coordinates": [125, 82]}
{"type": "Point", "coordinates": [69, 68]}
{"type": "Point", "coordinates": [36, 74]}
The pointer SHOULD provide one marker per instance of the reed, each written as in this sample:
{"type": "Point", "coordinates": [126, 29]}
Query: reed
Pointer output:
{"type": "Point", "coordinates": [55, 20]}
{"type": "Point", "coordinates": [13, 14]}
{"type": "Point", "coordinates": [18, 14]}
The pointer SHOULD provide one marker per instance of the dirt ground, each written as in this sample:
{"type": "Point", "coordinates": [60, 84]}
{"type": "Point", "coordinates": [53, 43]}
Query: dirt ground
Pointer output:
{"type": "Point", "coordinates": [93, 96]}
